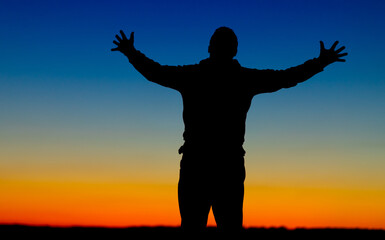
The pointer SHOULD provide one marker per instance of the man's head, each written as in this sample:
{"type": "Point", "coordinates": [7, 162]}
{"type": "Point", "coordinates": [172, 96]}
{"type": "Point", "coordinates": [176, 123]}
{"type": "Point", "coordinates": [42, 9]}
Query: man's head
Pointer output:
{"type": "Point", "coordinates": [223, 44]}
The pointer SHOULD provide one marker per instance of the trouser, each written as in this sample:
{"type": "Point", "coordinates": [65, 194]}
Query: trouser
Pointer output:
{"type": "Point", "coordinates": [211, 182]}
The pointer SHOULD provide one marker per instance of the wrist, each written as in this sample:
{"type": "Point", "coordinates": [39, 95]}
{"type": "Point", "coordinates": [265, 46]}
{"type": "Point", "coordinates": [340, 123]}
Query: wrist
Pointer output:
{"type": "Point", "coordinates": [322, 61]}
{"type": "Point", "coordinates": [129, 51]}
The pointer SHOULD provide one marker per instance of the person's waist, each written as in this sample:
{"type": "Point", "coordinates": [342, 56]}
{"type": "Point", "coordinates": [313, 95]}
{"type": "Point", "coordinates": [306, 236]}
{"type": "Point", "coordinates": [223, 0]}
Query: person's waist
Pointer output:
{"type": "Point", "coordinates": [218, 148]}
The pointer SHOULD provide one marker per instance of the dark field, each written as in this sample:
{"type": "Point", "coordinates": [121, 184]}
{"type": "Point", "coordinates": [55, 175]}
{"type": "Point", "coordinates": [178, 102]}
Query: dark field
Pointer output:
{"type": "Point", "coordinates": [27, 232]}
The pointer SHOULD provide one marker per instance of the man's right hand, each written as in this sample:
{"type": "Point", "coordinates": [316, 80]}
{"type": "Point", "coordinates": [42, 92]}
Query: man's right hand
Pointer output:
{"type": "Point", "coordinates": [328, 56]}
{"type": "Point", "coordinates": [124, 45]}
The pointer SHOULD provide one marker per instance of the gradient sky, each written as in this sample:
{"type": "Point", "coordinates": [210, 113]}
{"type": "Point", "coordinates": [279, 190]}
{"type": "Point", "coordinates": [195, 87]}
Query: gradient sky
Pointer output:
{"type": "Point", "coordinates": [86, 140]}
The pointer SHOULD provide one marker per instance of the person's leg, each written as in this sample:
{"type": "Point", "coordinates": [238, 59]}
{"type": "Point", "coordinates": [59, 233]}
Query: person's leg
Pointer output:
{"type": "Point", "coordinates": [194, 208]}
{"type": "Point", "coordinates": [194, 200]}
{"type": "Point", "coordinates": [228, 199]}
{"type": "Point", "coordinates": [228, 207]}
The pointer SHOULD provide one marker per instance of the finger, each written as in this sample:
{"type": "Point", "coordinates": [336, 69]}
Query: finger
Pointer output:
{"type": "Point", "coordinates": [322, 45]}
{"type": "Point", "coordinates": [340, 49]}
{"type": "Point", "coordinates": [123, 35]}
{"type": "Point", "coordinates": [117, 37]}
{"type": "Point", "coordinates": [334, 45]}
{"type": "Point", "coordinates": [114, 49]}
{"type": "Point", "coordinates": [342, 54]}
{"type": "Point", "coordinates": [340, 60]}
{"type": "Point", "coordinates": [132, 36]}
{"type": "Point", "coordinates": [116, 42]}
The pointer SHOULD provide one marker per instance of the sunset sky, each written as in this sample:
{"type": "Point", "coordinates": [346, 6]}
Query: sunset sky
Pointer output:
{"type": "Point", "coordinates": [86, 140]}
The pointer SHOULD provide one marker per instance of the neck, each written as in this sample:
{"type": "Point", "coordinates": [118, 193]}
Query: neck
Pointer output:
{"type": "Point", "coordinates": [220, 59]}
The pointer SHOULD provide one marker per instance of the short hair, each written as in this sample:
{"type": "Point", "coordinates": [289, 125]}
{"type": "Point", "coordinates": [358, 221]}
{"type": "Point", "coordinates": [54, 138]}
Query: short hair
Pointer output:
{"type": "Point", "coordinates": [223, 42]}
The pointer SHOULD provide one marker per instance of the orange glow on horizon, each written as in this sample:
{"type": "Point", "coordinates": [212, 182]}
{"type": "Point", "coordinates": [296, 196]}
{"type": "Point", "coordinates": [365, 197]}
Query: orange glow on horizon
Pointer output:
{"type": "Point", "coordinates": [129, 204]}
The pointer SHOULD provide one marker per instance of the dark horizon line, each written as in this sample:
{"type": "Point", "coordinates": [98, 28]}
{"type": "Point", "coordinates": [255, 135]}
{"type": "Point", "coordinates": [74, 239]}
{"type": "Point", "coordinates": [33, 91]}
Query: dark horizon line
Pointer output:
{"type": "Point", "coordinates": [18, 225]}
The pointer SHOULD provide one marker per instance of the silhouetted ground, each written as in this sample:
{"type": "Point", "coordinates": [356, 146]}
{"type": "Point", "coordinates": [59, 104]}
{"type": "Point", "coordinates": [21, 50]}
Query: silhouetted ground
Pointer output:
{"type": "Point", "coordinates": [26, 232]}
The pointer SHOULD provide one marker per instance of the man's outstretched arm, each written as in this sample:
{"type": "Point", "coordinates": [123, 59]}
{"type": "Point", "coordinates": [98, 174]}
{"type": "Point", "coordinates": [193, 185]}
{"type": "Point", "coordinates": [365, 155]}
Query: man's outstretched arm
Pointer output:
{"type": "Point", "coordinates": [167, 76]}
{"type": "Point", "coordinates": [273, 80]}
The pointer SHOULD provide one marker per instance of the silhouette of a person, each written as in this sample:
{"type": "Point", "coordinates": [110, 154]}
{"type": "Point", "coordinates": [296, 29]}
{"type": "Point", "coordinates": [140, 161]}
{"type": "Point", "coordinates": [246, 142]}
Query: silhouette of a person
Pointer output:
{"type": "Point", "coordinates": [216, 95]}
